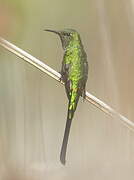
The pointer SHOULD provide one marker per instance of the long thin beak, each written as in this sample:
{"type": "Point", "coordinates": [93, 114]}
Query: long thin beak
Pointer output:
{"type": "Point", "coordinates": [49, 30]}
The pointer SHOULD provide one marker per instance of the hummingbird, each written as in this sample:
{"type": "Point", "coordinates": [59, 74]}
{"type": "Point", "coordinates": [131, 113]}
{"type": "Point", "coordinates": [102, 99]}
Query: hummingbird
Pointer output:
{"type": "Point", "coordinates": [74, 74]}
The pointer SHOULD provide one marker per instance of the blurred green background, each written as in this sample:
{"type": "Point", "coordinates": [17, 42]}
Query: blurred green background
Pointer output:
{"type": "Point", "coordinates": [33, 106]}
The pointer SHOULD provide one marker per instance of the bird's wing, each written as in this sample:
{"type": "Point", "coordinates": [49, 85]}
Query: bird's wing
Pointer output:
{"type": "Point", "coordinates": [86, 69]}
{"type": "Point", "coordinates": [65, 78]}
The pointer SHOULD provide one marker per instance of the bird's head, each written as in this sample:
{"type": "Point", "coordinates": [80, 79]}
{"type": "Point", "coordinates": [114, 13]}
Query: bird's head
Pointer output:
{"type": "Point", "coordinates": [67, 36]}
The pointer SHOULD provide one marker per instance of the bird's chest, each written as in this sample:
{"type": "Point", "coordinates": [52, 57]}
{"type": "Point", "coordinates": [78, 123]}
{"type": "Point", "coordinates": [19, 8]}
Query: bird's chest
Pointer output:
{"type": "Point", "coordinates": [74, 57]}
{"type": "Point", "coordinates": [75, 62]}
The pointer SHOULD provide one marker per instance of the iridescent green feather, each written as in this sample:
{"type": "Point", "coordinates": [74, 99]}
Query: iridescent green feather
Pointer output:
{"type": "Point", "coordinates": [74, 74]}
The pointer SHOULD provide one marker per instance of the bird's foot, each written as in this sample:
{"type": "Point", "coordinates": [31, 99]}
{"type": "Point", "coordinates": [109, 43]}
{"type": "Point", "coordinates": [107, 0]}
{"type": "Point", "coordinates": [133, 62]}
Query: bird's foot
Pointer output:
{"type": "Point", "coordinates": [61, 78]}
{"type": "Point", "coordinates": [84, 95]}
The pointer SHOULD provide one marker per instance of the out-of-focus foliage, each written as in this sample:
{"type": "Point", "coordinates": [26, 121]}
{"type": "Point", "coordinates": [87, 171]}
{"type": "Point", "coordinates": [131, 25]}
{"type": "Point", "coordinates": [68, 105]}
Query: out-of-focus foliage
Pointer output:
{"type": "Point", "coordinates": [12, 17]}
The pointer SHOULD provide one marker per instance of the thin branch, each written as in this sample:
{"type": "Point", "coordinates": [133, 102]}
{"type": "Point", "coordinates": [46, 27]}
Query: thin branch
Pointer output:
{"type": "Point", "coordinates": [54, 74]}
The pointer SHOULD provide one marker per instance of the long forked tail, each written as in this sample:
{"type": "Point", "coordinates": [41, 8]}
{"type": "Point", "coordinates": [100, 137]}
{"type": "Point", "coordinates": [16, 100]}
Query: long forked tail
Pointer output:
{"type": "Point", "coordinates": [66, 136]}
{"type": "Point", "coordinates": [70, 115]}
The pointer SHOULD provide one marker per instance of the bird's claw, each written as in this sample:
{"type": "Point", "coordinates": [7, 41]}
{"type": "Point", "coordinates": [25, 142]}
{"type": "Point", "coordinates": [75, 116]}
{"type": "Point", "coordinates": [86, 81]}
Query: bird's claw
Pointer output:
{"type": "Point", "coordinates": [84, 95]}
{"type": "Point", "coordinates": [61, 78]}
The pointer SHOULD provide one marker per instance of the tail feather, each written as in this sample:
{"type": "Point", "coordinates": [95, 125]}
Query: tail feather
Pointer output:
{"type": "Point", "coordinates": [66, 136]}
{"type": "Point", "coordinates": [70, 115]}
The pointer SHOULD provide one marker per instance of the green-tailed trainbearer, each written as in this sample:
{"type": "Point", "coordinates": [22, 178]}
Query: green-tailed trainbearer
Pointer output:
{"type": "Point", "coordinates": [74, 73]}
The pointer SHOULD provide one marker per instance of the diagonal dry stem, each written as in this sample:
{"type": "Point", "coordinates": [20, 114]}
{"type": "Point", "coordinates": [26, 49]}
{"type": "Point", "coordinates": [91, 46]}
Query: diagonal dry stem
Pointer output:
{"type": "Point", "coordinates": [54, 74]}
